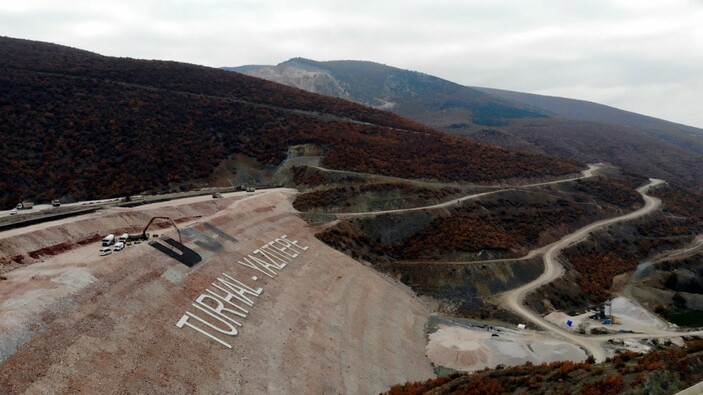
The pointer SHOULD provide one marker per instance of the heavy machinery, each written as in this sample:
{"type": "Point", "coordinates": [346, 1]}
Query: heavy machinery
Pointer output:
{"type": "Point", "coordinates": [145, 236]}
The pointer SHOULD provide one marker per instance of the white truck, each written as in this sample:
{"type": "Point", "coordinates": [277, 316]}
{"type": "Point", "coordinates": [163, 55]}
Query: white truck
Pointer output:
{"type": "Point", "coordinates": [108, 240]}
{"type": "Point", "coordinates": [25, 205]}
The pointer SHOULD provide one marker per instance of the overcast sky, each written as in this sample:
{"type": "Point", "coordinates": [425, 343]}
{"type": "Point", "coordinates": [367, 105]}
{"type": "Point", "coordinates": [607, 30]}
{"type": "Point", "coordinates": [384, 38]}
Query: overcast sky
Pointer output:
{"type": "Point", "coordinates": [640, 55]}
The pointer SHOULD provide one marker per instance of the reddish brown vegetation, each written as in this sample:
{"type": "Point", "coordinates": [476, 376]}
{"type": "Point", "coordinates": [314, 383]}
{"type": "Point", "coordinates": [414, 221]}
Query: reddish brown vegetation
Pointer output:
{"type": "Point", "coordinates": [599, 268]}
{"type": "Point", "coordinates": [601, 260]}
{"type": "Point", "coordinates": [307, 176]}
{"type": "Point", "coordinates": [80, 125]}
{"type": "Point", "coordinates": [462, 233]}
{"type": "Point", "coordinates": [625, 372]}
{"type": "Point", "coordinates": [682, 201]}
{"type": "Point", "coordinates": [501, 224]}
{"type": "Point", "coordinates": [629, 148]}
{"type": "Point", "coordinates": [508, 224]}
{"type": "Point", "coordinates": [342, 196]}
{"type": "Point", "coordinates": [615, 192]}
{"type": "Point", "coordinates": [610, 385]}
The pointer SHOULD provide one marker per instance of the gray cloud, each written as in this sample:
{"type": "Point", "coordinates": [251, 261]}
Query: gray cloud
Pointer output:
{"type": "Point", "coordinates": [640, 55]}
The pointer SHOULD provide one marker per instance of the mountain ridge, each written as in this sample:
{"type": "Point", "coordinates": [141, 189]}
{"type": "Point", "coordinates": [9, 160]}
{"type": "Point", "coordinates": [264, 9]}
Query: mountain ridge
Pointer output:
{"type": "Point", "coordinates": [584, 110]}
{"type": "Point", "coordinates": [512, 120]}
{"type": "Point", "coordinates": [386, 87]}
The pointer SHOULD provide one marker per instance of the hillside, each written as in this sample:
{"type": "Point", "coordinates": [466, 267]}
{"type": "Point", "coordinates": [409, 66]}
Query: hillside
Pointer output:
{"type": "Point", "coordinates": [572, 129]}
{"type": "Point", "coordinates": [402, 253]}
{"type": "Point", "coordinates": [78, 125]}
{"type": "Point", "coordinates": [680, 135]}
{"type": "Point", "coordinates": [408, 93]}
{"type": "Point", "coordinates": [591, 142]}
{"type": "Point", "coordinates": [659, 372]}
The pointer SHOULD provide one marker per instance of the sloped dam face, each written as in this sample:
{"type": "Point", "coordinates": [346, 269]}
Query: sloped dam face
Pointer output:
{"type": "Point", "coordinates": [262, 306]}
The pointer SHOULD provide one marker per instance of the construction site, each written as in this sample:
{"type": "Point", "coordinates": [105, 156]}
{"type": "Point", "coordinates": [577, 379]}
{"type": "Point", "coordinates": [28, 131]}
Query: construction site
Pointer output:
{"type": "Point", "coordinates": [221, 314]}
{"type": "Point", "coordinates": [232, 292]}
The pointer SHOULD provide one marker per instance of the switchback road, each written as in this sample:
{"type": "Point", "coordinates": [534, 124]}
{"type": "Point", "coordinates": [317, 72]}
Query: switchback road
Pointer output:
{"type": "Point", "coordinates": [514, 299]}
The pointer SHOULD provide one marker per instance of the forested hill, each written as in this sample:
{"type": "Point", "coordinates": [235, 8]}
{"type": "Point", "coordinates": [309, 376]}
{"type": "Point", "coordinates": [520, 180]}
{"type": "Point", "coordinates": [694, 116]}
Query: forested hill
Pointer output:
{"type": "Point", "coordinates": [182, 77]}
{"type": "Point", "coordinates": [78, 125]}
{"type": "Point", "coordinates": [568, 128]}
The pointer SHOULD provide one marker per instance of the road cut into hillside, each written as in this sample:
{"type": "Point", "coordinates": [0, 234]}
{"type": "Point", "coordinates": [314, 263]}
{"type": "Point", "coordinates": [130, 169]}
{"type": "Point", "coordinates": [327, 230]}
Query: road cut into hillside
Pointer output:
{"type": "Point", "coordinates": [264, 308]}
{"type": "Point", "coordinates": [589, 172]}
{"type": "Point", "coordinates": [553, 269]}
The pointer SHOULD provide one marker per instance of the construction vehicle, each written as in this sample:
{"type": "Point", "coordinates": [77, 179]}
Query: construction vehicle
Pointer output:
{"type": "Point", "coordinates": [25, 205]}
{"type": "Point", "coordinates": [108, 240]}
{"type": "Point", "coordinates": [145, 236]}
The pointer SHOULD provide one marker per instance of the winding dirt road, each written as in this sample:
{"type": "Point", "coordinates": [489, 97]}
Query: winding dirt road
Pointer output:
{"type": "Point", "coordinates": [514, 299]}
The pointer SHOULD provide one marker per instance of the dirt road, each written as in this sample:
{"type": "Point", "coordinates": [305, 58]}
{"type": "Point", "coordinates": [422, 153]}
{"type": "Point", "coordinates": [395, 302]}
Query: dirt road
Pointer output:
{"type": "Point", "coordinates": [587, 173]}
{"type": "Point", "coordinates": [553, 269]}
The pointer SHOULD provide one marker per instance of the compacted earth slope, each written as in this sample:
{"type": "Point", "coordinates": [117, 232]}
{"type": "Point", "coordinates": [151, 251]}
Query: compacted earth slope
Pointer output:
{"type": "Point", "coordinates": [73, 321]}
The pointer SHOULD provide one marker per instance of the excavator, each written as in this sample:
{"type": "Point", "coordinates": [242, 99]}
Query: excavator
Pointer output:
{"type": "Point", "coordinates": [145, 236]}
